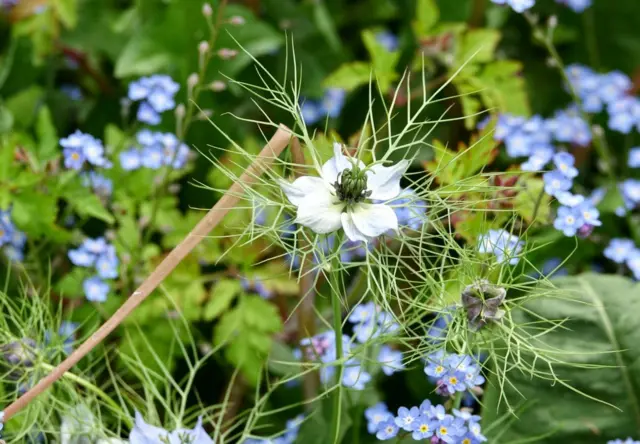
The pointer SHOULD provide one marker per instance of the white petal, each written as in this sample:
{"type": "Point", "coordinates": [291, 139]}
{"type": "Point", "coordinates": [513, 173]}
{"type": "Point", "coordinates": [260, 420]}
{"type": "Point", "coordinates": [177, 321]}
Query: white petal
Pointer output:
{"type": "Point", "coordinates": [337, 164]}
{"type": "Point", "coordinates": [374, 219]}
{"type": "Point", "coordinates": [351, 230]}
{"type": "Point", "coordinates": [321, 212]}
{"type": "Point", "coordinates": [384, 182]}
{"type": "Point", "coordinates": [301, 188]}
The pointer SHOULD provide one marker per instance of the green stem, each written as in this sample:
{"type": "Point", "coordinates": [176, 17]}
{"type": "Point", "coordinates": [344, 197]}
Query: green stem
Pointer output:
{"type": "Point", "coordinates": [457, 400]}
{"type": "Point", "coordinates": [588, 22]}
{"type": "Point", "coordinates": [334, 279]}
{"type": "Point", "coordinates": [598, 140]}
{"type": "Point", "coordinates": [99, 392]}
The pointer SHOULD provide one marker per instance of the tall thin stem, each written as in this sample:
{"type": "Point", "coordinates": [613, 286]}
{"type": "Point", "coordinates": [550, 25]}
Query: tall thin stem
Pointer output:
{"type": "Point", "coordinates": [335, 284]}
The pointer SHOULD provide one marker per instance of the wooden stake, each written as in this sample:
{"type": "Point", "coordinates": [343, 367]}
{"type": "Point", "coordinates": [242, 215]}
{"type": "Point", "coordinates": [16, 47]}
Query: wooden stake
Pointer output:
{"type": "Point", "coordinates": [229, 200]}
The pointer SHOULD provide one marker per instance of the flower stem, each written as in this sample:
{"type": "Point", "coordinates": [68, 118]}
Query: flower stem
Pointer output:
{"type": "Point", "coordinates": [99, 392]}
{"type": "Point", "coordinates": [335, 283]}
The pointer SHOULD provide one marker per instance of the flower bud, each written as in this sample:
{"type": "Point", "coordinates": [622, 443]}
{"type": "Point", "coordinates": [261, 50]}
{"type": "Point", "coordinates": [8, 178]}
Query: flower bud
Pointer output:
{"type": "Point", "coordinates": [180, 111]}
{"type": "Point", "coordinates": [193, 79]}
{"type": "Point", "coordinates": [553, 21]}
{"type": "Point", "coordinates": [237, 20]}
{"type": "Point", "coordinates": [226, 53]}
{"type": "Point", "coordinates": [217, 86]}
{"type": "Point", "coordinates": [207, 10]}
{"type": "Point", "coordinates": [203, 47]}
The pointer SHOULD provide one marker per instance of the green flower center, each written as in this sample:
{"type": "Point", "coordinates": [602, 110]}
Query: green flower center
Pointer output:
{"type": "Point", "coordinates": [351, 186]}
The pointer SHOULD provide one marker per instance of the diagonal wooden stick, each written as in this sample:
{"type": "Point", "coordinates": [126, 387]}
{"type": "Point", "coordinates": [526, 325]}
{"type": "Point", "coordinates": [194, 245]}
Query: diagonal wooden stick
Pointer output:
{"type": "Point", "coordinates": [269, 153]}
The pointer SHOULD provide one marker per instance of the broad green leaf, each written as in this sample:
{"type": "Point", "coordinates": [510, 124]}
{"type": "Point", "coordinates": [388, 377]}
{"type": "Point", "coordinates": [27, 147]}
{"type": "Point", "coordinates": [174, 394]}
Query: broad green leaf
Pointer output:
{"type": "Point", "coordinates": [384, 61]}
{"type": "Point", "coordinates": [501, 87]}
{"type": "Point", "coordinates": [349, 76]}
{"type": "Point", "coordinates": [87, 204]}
{"type": "Point", "coordinates": [67, 11]}
{"type": "Point", "coordinates": [23, 105]}
{"type": "Point", "coordinates": [221, 295]}
{"type": "Point", "coordinates": [478, 46]}
{"type": "Point", "coordinates": [6, 120]}
{"type": "Point", "coordinates": [114, 137]}
{"type": "Point", "coordinates": [70, 286]}
{"type": "Point", "coordinates": [6, 61]}
{"type": "Point", "coordinates": [47, 136]}
{"type": "Point", "coordinates": [532, 200]}
{"type": "Point", "coordinates": [427, 15]}
{"type": "Point", "coordinates": [34, 212]}
{"type": "Point", "coordinates": [325, 24]}
{"type": "Point", "coordinates": [601, 330]}
{"type": "Point", "coordinates": [261, 315]}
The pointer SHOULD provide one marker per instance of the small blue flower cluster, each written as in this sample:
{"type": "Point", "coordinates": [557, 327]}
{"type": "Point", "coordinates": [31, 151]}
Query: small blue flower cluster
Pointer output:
{"type": "Point", "coordinates": [156, 94]}
{"type": "Point", "coordinates": [101, 255]}
{"type": "Point", "coordinates": [634, 157]}
{"type": "Point", "coordinates": [289, 437]}
{"type": "Point", "coordinates": [630, 190]}
{"type": "Point", "coordinates": [371, 322]}
{"type": "Point", "coordinates": [79, 148]}
{"type": "Point", "coordinates": [576, 5]}
{"type": "Point", "coordinates": [323, 347]}
{"type": "Point", "coordinates": [255, 286]}
{"type": "Point", "coordinates": [453, 372]}
{"type": "Point", "coordinates": [626, 441]}
{"type": "Point", "coordinates": [504, 245]}
{"type": "Point", "coordinates": [624, 251]}
{"type": "Point", "coordinates": [534, 137]}
{"type": "Point", "coordinates": [101, 185]}
{"type": "Point", "coordinates": [610, 91]}
{"type": "Point", "coordinates": [12, 240]}
{"type": "Point", "coordinates": [330, 105]}
{"type": "Point", "coordinates": [523, 5]}
{"type": "Point", "coordinates": [425, 422]}
{"type": "Point", "coordinates": [388, 40]}
{"type": "Point", "coordinates": [158, 150]}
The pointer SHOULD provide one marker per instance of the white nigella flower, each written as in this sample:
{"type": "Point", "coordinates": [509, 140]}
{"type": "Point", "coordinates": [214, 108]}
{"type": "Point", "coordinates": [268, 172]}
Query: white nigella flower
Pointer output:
{"type": "Point", "coordinates": [338, 197]}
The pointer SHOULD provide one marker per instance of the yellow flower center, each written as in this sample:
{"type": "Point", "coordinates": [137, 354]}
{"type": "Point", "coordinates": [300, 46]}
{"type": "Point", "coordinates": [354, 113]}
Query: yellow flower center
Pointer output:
{"type": "Point", "coordinates": [443, 430]}
{"type": "Point", "coordinates": [424, 428]}
{"type": "Point", "coordinates": [439, 369]}
{"type": "Point", "coordinates": [466, 441]}
{"type": "Point", "coordinates": [75, 156]}
{"type": "Point", "coordinates": [453, 380]}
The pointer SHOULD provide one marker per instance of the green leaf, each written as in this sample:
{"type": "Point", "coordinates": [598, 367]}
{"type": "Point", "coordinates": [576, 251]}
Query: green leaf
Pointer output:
{"type": "Point", "coordinates": [502, 87]}
{"type": "Point", "coordinates": [70, 286]}
{"type": "Point", "coordinates": [602, 331]}
{"type": "Point", "coordinates": [531, 199]}
{"type": "Point", "coordinates": [221, 295]}
{"type": "Point", "coordinates": [47, 136]}
{"type": "Point", "coordinates": [349, 76]}
{"type": "Point", "coordinates": [67, 11]}
{"type": "Point", "coordinates": [6, 119]}
{"type": "Point", "coordinates": [261, 315]}
{"type": "Point", "coordinates": [6, 62]}
{"type": "Point", "coordinates": [23, 105]}
{"type": "Point", "coordinates": [384, 61]}
{"type": "Point", "coordinates": [478, 45]}
{"type": "Point", "coordinates": [35, 212]}
{"type": "Point", "coordinates": [87, 204]}
{"type": "Point", "coordinates": [326, 26]}
{"type": "Point", "coordinates": [114, 137]}
{"type": "Point", "coordinates": [427, 15]}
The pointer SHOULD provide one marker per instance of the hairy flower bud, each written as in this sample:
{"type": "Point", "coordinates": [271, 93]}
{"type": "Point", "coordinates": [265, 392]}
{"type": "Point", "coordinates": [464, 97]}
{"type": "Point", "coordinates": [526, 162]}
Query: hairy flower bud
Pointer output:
{"type": "Point", "coordinates": [217, 86]}
{"type": "Point", "coordinates": [237, 20]}
{"type": "Point", "coordinates": [226, 53]}
{"type": "Point", "coordinates": [207, 10]}
{"type": "Point", "coordinates": [203, 47]}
